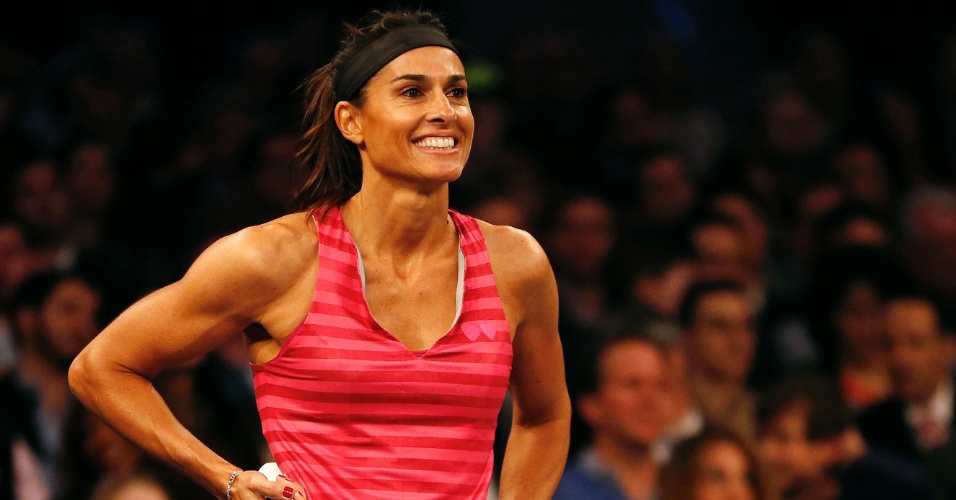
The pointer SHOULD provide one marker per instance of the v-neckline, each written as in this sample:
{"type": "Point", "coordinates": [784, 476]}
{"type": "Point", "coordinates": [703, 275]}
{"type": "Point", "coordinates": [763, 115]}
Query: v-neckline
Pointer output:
{"type": "Point", "coordinates": [459, 289]}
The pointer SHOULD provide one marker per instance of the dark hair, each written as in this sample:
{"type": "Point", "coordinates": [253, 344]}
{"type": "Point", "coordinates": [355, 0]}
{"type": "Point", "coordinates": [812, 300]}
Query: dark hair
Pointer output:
{"type": "Point", "coordinates": [827, 412]}
{"type": "Point", "coordinates": [917, 291]}
{"type": "Point", "coordinates": [330, 163]}
{"type": "Point", "coordinates": [34, 291]}
{"type": "Point", "coordinates": [597, 346]}
{"type": "Point", "coordinates": [680, 474]}
{"type": "Point", "coordinates": [697, 291]}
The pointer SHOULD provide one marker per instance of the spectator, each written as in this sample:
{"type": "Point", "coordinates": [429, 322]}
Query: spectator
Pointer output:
{"type": "Point", "coordinates": [55, 316]}
{"type": "Point", "coordinates": [812, 450]}
{"type": "Point", "coordinates": [714, 465]}
{"type": "Point", "coordinates": [720, 339]}
{"type": "Point", "coordinates": [917, 422]}
{"type": "Point", "coordinates": [623, 401]}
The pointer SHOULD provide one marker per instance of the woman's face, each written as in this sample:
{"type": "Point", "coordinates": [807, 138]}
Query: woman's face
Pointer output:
{"type": "Point", "coordinates": [723, 473]}
{"type": "Point", "coordinates": [415, 124]}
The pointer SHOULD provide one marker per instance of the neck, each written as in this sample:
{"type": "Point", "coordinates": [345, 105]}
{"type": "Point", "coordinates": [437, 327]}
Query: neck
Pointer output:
{"type": "Point", "coordinates": [396, 224]}
{"type": "Point", "coordinates": [716, 396]}
{"type": "Point", "coordinates": [632, 465]}
{"type": "Point", "coordinates": [682, 403]}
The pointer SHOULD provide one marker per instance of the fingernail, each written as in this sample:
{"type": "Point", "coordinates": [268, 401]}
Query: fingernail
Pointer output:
{"type": "Point", "coordinates": [288, 491]}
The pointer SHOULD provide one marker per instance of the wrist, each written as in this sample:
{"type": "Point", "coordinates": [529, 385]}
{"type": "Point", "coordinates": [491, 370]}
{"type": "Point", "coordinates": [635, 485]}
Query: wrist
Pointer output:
{"type": "Point", "coordinates": [232, 480]}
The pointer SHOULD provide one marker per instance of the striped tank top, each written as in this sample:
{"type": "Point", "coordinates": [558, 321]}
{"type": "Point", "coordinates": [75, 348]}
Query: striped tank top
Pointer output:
{"type": "Point", "coordinates": [350, 412]}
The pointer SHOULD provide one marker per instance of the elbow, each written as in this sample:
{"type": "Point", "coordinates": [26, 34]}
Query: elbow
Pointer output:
{"type": "Point", "coordinates": [80, 376]}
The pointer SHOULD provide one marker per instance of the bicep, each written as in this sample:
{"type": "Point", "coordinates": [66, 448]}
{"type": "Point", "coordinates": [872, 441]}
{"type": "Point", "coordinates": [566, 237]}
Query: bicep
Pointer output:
{"type": "Point", "coordinates": [184, 320]}
{"type": "Point", "coordinates": [166, 328]}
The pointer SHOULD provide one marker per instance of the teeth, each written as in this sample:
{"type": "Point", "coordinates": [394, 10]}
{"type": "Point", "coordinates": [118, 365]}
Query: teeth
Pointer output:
{"type": "Point", "coordinates": [436, 142]}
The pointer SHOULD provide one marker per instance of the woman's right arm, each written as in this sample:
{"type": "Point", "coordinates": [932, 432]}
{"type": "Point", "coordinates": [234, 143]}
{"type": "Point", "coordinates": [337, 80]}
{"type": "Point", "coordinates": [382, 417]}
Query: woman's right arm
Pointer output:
{"type": "Point", "coordinates": [230, 286]}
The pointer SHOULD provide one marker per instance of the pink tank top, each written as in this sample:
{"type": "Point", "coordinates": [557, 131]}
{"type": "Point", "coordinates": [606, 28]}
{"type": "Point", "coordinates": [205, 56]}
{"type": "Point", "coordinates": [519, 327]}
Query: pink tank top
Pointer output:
{"type": "Point", "coordinates": [350, 412]}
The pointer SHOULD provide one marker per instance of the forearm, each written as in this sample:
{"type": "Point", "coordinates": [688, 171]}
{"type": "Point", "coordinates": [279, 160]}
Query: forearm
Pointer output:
{"type": "Point", "coordinates": [130, 404]}
{"type": "Point", "coordinates": [534, 460]}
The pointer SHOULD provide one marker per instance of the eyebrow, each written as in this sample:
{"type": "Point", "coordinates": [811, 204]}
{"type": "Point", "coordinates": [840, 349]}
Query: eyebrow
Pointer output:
{"type": "Point", "coordinates": [422, 78]}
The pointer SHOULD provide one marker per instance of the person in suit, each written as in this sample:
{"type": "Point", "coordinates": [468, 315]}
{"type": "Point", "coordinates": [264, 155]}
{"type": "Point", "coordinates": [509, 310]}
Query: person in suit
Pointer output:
{"type": "Point", "coordinates": [917, 422]}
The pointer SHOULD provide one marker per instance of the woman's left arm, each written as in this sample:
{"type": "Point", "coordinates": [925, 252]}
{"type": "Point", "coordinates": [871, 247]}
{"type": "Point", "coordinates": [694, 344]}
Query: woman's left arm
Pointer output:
{"type": "Point", "coordinates": [537, 448]}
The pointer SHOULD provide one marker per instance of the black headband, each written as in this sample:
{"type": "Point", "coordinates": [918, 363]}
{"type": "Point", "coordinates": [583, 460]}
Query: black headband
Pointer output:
{"type": "Point", "coordinates": [369, 60]}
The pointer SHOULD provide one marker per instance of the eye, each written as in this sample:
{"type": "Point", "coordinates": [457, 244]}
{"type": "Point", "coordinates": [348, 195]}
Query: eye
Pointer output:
{"type": "Point", "coordinates": [458, 93]}
{"type": "Point", "coordinates": [412, 92]}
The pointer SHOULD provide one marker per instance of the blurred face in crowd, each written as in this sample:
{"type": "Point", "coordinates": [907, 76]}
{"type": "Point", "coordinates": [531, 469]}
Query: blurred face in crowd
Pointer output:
{"type": "Point", "coordinates": [752, 224]}
{"type": "Point", "coordinates": [789, 456]}
{"type": "Point", "coordinates": [863, 174]}
{"type": "Point", "coordinates": [14, 257]}
{"type": "Point", "coordinates": [584, 235]}
{"type": "Point", "coordinates": [721, 339]}
{"type": "Point", "coordinates": [724, 472]}
{"type": "Point", "coordinates": [720, 252]}
{"type": "Point", "coordinates": [665, 188]}
{"type": "Point", "coordinates": [920, 356]}
{"type": "Point", "coordinates": [793, 127]}
{"type": "Point", "coordinates": [630, 402]}
{"type": "Point", "coordinates": [38, 198]}
{"type": "Point", "coordinates": [90, 179]}
{"type": "Point", "coordinates": [65, 322]}
{"type": "Point", "coordinates": [859, 318]}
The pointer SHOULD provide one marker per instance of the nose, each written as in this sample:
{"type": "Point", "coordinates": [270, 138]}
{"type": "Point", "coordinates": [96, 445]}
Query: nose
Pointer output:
{"type": "Point", "coordinates": [441, 109]}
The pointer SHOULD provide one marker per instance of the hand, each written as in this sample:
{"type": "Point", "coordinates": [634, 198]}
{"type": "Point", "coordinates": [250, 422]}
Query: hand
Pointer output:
{"type": "Point", "coordinates": [253, 485]}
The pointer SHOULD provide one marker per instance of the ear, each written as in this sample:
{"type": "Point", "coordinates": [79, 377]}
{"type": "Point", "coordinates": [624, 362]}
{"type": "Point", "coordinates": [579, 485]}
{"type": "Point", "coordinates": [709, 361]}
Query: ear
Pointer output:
{"type": "Point", "coordinates": [347, 118]}
{"type": "Point", "coordinates": [590, 409]}
{"type": "Point", "coordinates": [949, 348]}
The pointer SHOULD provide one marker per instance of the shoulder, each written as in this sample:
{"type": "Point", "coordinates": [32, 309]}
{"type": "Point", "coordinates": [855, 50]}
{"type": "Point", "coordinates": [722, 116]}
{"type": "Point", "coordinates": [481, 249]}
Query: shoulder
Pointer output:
{"type": "Point", "coordinates": [274, 252]}
{"type": "Point", "coordinates": [516, 255]}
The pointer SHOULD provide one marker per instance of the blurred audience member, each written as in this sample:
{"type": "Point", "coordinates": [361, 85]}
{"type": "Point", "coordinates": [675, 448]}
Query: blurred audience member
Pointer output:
{"type": "Point", "coordinates": [864, 177]}
{"type": "Point", "coordinates": [580, 240]}
{"type": "Point", "coordinates": [718, 323]}
{"type": "Point", "coordinates": [92, 454]}
{"type": "Point", "coordinates": [928, 220]}
{"type": "Point", "coordinates": [713, 465]}
{"type": "Point", "coordinates": [917, 422]}
{"type": "Point", "coordinates": [844, 308]}
{"type": "Point", "coordinates": [812, 450]}
{"type": "Point", "coordinates": [664, 193]}
{"type": "Point", "coordinates": [623, 401]}
{"type": "Point", "coordinates": [55, 316]}
{"type": "Point", "coordinates": [41, 204]}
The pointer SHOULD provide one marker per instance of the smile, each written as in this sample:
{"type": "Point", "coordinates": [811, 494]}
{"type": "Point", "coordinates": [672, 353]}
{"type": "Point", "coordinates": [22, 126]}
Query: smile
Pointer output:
{"type": "Point", "coordinates": [436, 143]}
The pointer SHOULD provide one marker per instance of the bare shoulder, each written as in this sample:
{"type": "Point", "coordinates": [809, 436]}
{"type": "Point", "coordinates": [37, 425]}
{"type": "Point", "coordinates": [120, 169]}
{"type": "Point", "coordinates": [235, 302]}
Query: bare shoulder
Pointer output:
{"type": "Point", "coordinates": [271, 254]}
{"type": "Point", "coordinates": [517, 258]}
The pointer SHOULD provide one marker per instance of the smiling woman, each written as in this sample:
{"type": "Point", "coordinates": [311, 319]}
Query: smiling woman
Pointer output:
{"type": "Point", "coordinates": [383, 328]}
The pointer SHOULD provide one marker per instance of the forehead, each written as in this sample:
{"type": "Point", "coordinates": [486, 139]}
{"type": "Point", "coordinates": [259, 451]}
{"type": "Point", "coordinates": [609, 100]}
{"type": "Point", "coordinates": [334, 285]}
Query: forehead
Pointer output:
{"type": "Point", "coordinates": [436, 62]}
{"type": "Point", "coordinates": [632, 356]}
{"type": "Point", "coordinates": [911, 315]}
{"type": "Point", "coordinates": [72, 289]}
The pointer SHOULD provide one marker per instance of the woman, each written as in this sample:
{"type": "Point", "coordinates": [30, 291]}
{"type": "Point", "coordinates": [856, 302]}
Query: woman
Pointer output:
{"type": "Point", "coordinates": [714, 465]}
{"type": "Point", "coordinates": [363, 389]}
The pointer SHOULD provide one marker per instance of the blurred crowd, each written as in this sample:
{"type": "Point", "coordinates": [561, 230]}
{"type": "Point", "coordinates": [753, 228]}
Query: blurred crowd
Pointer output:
{"type": "Point", "coordinates": [755, 245]}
